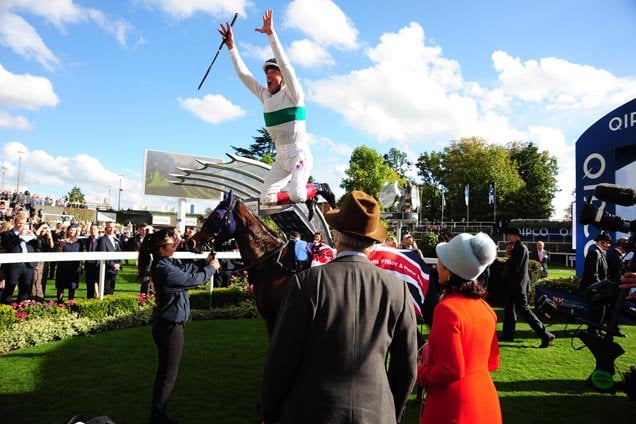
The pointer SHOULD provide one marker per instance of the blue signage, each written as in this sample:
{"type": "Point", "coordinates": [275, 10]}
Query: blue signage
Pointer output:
{"type": "Point", "coordinates": [605, 153]}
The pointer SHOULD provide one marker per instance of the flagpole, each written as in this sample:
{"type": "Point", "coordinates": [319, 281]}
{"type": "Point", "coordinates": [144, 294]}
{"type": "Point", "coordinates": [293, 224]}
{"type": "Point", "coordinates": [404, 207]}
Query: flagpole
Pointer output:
{"type": "Point", "coordinates": [467, 195]}
{"type": "Point", "coordinates": [443, 204]}
{"type": "Point", "coordinates": [494, 203]}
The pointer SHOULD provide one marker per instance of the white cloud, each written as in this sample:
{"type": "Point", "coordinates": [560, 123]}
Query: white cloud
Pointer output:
{"type": "Point", "coordinates": [58, 12]}
{"type": "Point", "coordinates": [562, 85]}
{"type": "Point", "coordinates": [309, 54]}
{"type": "Point", "coordinates": [55, 175]}
{"type": "Point", "coordinates": [183, 9]}
{"type": "Point", "coordinates": [409, 92]}
{"type": "Point", "coordinates": [323, 21]}
{"type": "Point", "coordinates": [117, 27]}
{"type": "Point", "coordinates": [212, 109]}
{"type": "Point", "coordinates": [554, 141]}
{"type": "Point", "coordinates": [23, 39]}
{"type": "Point", "coordinates": [17, 122]}
{"type": "Point", "coordinates": [260, 52]}
{"type": "Point", "coordinates": [25, 91]}
{"type": "Point", "coordinates": [413, 95]}
{"type": "Point", "coordinates": [325, 144]}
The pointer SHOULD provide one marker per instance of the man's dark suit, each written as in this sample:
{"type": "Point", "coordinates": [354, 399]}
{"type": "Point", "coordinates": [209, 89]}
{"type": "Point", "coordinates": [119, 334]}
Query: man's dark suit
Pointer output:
{"type": "Point", "coordinates": [517, 285]}
{"type": "Point", "coordinates": [534, 255]}
{"type": "Point", "coordinates": [91, 267]}
{"type": "Point", "coordinates": [595, 267]}
{"type": "Point", "coordinates": [337, 326]}
{"type": "Point", "coordinates": [105, 245]}
{"type": "Point", "coordinates": [20, 274]}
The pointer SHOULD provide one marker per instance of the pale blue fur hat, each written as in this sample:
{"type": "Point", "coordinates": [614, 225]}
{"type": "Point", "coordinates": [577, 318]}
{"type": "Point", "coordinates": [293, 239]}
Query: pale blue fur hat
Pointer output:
{"type": "Point", "coordinates": [467, 256]}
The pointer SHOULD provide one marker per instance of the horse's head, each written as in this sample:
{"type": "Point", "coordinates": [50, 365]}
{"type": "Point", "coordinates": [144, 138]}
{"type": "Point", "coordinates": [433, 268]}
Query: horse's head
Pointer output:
{"type": "Point", "coordinates": [219, 226]}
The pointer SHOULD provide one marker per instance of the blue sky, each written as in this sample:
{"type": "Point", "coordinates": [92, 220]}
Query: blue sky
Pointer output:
{"type": "Point", "coordinates": [87, 86]}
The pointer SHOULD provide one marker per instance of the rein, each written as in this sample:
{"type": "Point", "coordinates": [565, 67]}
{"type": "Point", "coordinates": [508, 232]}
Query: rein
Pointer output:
{"type": "Point", "coordinates": [278, 252]}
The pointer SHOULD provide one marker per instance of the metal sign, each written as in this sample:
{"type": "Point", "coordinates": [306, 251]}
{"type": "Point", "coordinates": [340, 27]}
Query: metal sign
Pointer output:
{"type": "Point", "coordinates": [605, 153]}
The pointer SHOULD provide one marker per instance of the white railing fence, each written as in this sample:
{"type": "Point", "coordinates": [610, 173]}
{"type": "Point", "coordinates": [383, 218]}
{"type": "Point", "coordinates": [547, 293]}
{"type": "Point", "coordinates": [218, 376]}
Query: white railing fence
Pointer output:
{"type": "Point", "coordinates": [102, 257]}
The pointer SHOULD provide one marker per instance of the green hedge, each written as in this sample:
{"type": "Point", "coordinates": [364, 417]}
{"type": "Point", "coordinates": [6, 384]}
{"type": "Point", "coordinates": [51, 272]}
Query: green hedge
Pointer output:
{"type": "Point", "coordinates": [31, 324]}
{"type": "Point", "coordinates": [568, 285]}
{"type": "Point", "coordinates": [221, 297]}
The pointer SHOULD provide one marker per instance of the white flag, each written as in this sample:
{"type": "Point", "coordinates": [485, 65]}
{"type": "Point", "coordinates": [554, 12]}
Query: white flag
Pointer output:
{"type": "Point", "coordinates": [466, 194]}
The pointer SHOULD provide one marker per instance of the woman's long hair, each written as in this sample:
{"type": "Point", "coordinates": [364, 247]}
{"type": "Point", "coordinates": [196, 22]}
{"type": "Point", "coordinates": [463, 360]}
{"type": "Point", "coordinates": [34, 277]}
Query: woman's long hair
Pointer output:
{"type": "Point", "coordinates": [149, 249]}
{"type": "Point", "coordinates": [468, 288]}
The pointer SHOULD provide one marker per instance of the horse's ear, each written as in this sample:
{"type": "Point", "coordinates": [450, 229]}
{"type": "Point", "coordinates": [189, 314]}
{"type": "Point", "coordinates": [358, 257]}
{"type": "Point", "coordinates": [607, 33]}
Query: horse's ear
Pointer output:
{"type": "Point", "coordinates": [230, 198]}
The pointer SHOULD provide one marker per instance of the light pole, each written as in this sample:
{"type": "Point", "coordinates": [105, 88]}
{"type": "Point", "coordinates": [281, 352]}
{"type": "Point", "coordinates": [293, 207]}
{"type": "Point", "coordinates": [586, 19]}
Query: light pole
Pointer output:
{"type": "Point", "coordinates": [108, 187]}
{"type": "Point", "coordinates": [4, 168]}
{"type": "Point", "coordinates": [20, 153]}
{"type": "Point", "coordinates": [120, 190]}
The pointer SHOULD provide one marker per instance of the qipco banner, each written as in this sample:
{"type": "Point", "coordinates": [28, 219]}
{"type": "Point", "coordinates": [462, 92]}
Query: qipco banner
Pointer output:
{"type": "Point", "coordinates": [605, 153]}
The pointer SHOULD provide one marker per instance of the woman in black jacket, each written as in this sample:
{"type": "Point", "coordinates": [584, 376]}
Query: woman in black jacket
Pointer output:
{"type": "Point", "coordinates": [171, 280]}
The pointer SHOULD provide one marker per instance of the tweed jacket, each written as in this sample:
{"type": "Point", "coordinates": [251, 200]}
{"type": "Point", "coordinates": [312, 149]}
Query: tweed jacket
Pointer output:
{"type": "Point", "coordinates": [327, 358]}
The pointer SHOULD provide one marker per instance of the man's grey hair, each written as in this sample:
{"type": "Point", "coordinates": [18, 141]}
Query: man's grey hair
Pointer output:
{"type": "Point", "coordinates": [351, 242]}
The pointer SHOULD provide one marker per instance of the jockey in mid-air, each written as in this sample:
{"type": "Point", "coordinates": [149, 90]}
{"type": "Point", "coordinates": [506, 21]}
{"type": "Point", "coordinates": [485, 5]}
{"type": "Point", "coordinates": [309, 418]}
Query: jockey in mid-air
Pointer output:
{"type": "Point", "coordinates": [284, 110]}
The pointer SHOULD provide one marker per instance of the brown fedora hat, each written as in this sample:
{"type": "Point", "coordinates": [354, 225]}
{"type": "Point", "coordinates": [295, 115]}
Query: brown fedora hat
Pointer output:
{"type": "Point", "coordinates": [358, 216]}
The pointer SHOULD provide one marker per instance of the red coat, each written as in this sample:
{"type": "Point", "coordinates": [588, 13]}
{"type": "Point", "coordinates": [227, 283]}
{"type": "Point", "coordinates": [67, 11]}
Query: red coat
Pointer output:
{"type": "Point", "coordinates": [463, 350]}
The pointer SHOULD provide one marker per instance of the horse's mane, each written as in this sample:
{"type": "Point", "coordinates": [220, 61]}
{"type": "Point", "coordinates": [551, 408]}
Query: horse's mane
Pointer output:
{"type": "Point", "coordinates": [252, 232]}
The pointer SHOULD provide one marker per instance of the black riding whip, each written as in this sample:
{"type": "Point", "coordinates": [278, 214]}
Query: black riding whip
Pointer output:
{"type": "Point", "coordinates": [217, 54]}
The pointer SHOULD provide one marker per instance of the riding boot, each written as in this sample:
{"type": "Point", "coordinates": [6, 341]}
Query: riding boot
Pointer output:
{"type": "Point", "coordinates": [325, 191]}
{"type": "Point", "coordinates": [311, 204]}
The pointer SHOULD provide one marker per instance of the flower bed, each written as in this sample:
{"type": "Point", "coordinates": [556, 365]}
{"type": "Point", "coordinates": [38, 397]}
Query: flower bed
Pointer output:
{"type": "Point", "coordinates": [31, 323]}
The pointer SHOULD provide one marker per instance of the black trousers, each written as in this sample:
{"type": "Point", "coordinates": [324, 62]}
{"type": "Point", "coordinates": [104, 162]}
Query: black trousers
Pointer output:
{"type": "Point", "coordinates": [92, 279]}
{"type": "Point", "coordinates": [109, 282]}
{"type": "Point", "coordinates": [518, 302]}
{"type": "Point", "coordinates": [20, 275]}
{"type": "Point", "coordinates": [169, 340]}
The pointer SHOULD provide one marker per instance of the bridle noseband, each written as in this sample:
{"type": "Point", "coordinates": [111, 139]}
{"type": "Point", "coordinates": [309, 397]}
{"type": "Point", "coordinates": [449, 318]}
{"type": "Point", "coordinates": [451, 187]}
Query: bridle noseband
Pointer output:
{"type": "Point", "coordinates": [226, 223]}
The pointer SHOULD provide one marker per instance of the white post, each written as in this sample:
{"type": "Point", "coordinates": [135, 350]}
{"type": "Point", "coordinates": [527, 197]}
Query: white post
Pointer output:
{"type": "Point", "coordinates": [181, 215]}
{"type": "Point", "coordinates": [102, 276]}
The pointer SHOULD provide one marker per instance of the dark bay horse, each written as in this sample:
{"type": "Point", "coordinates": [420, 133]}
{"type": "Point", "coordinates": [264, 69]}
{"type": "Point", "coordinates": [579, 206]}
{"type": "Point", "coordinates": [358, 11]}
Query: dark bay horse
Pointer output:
{"type": "Point", "coordinates": [270, 262]}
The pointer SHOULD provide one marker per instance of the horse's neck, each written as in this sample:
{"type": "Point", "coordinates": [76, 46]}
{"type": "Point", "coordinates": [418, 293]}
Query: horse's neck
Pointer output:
{"type": "Point", "coordinates": [252, 236]}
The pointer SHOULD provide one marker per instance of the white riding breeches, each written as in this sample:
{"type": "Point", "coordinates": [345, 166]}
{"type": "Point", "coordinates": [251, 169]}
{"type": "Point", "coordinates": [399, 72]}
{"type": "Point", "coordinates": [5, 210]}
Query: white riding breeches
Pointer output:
{"type": "Point", "coordinates": [293, 166]}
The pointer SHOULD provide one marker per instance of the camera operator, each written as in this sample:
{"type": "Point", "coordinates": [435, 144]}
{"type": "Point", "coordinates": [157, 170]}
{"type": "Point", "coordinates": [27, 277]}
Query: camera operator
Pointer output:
{"type": "Point", "coordinates": [595, 268]}
{"type": "Point", "coordinates": [615, 257]}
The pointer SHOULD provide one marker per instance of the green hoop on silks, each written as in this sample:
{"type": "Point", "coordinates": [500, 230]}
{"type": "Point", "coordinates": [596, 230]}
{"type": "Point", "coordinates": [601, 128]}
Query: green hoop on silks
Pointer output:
{"type": "Point", "coordinates": [602, 380]}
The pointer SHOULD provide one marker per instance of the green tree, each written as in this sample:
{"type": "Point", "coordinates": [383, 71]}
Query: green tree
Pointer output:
{"type": "Point", "coordinates": [538, 170]}
{"type": "Point", "coordinates": [474, 162]}
{"type": "Point", "coordinates": [263, 149]}
{"type": "Point", "coordinates": [397, 161]}
{"type": "Point", "coordinates": [367, 172]}
{"type": "Point", "coordinates": [76, 195]}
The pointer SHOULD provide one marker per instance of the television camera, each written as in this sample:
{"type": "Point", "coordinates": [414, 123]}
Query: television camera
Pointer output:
{"type": "Point", "coordinates": [599, 337]}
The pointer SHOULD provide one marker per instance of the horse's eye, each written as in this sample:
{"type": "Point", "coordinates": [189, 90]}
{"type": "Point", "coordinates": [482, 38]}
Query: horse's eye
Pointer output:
{"type": "Point", "coordinates": [216, 215]}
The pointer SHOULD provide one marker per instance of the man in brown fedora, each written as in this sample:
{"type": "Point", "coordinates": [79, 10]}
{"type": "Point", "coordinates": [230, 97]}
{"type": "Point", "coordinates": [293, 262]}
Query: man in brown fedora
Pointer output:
{"type": "Point", "coordinates": [336, 328]}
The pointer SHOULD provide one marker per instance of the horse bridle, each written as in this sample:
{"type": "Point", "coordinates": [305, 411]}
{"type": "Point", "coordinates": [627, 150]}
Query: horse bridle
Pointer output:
{"type": "Point", "coordinates": [226, 228]}
{"type": "Point", "coordinates": [224, 223]}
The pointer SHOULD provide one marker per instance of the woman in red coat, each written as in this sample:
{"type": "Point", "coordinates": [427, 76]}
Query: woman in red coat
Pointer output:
{"type": "Point", "coordinates": [462, 347]}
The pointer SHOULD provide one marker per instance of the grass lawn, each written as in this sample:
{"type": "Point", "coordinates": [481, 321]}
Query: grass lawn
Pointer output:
{"type": "Point", "coordinates": [112, 373]}
{"type": "Point", "coordinates": [560, 272]}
